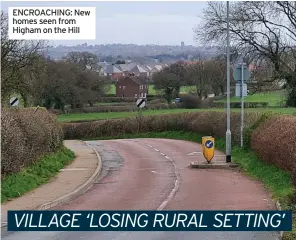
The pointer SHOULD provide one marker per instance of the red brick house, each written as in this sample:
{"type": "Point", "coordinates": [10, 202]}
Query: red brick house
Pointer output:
{"type": "Point", "coordinates": [131, 86]}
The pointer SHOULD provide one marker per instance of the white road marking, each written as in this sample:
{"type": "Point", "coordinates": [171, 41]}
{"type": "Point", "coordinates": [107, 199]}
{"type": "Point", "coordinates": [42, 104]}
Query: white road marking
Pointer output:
{"type": "Point", "coordinates": [194, 153]}
{"type": "Point", "coordinates": [153, 171]}
{"type": "Point", "coordinates": [177, 182]}
{"type": "Point", "coordinates": [149, 145]}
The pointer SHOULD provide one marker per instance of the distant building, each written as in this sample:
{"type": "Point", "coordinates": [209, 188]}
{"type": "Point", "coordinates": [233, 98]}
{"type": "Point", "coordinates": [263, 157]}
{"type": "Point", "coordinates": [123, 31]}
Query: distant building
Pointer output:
{"type": "Point", "coordinates": [113, 72]}
{"type": "Point", "coordinates": [146, 71]}
{"type": "Point", "coordinates": [155, 69]}
{"type": "Point", "coordinates": [182, 44]}
{"type": "Point", "coordinates": [139, 71]}
{"type": "Point", "coordinates": [131, 86]}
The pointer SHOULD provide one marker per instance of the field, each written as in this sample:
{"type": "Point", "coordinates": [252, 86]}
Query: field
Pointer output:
{"type": "Point", "coordinates": [112, 89]}
{"type": "Point", "coordinates": [111, 115]}
{"type": "Point", "coordinates": [273, 98]}
{"type": "Point", "coordinates": [151, 90]}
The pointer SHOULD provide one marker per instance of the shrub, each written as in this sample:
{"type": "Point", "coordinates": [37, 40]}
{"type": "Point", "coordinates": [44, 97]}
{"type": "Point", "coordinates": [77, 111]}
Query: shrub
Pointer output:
{"type": "Point", "coordinates": [153, 97]}
{"type": "Point", "coordinates": [189, 101]}
{"type": "Point", "coordinates": [55, 111]}
{"type": "Point", "coordinates": [158, 100]}
{"type": "Point", "coordinates": [208, 123]}
{"type": "Point", "coordinates": [115, 99]}
{"type": "Point", "coordinates": [274, 141]}
{"type": "Point", "coordinates": [110, 95]}
{"type": "Point", "coordinates": [26, 136]}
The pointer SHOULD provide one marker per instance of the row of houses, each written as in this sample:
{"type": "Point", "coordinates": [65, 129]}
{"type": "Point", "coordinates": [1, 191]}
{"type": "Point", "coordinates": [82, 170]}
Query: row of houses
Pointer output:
{"type": "Point", "coordinates": [115, 71]}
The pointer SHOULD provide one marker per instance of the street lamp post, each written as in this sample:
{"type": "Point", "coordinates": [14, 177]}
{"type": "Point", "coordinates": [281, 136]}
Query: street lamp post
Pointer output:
{"type": "Point", "coordinates": [242, 105]}
{"type": "Point", "coordinates": [228, 132]}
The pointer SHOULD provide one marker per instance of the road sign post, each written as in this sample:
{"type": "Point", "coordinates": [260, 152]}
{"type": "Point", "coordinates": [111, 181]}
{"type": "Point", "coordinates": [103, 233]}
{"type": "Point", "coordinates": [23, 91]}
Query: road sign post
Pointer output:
{"type": "Point", "coordinates": [208, 148]}
{"type": "Point", "coordinates": [239, 89]}
{"type": "Point", "coordinates": [141, 102]}
{"type": "Point", "coordinates": [241, 74]}
{"type": "Point", "coordinates": [36, 109]}
{"type": "Point", "coordinates": [13, 101]}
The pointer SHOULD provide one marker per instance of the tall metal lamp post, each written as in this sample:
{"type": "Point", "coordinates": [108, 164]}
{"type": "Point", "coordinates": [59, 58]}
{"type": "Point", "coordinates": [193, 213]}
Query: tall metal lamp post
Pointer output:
{"type": "Point", "coordinates": [228, 132]}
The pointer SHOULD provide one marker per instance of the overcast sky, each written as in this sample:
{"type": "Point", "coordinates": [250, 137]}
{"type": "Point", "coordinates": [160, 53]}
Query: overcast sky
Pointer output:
{"type": "Point", "coordinates": [164, 23]}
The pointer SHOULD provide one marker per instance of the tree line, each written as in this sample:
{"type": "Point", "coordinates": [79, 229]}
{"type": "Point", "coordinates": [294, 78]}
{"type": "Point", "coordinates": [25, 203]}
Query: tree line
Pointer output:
{"type": "Point", "coordinates": [27, 71]}
{"type": "Point", "coordinates": [207, 76]}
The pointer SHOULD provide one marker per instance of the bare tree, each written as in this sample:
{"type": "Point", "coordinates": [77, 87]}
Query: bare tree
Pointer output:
{"type": "Point", "coordinates": [199, 75]}
{"type": "Point", "coordinates": [180, 71]}
{"type": "Point", "coordinates": [85, 60]}
{"type": "Point", "coordinates": [167, 82]}
{"type": "Point", "coordinates": [217, 68]}
{"type": "Point", "coordinates": [260, 30]}
{"type": "Point", "coordinates": [15, 56]}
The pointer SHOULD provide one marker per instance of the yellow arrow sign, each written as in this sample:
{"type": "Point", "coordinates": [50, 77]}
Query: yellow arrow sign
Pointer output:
{"type": "Point", "coordinates": [208, 148]}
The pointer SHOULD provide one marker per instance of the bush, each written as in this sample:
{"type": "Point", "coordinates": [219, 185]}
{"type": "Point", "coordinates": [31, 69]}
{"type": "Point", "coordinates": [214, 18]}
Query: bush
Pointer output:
{"type": "Point", "coordinates": [56, 111]}
{"type": "Point", "coordinates": [189, 101]}
{"type": "Point", "coordinates": [152, 97]}
{"type": "Point", "coordinates": [114, 104]}
{"type": "Point", "coordinates": [110, 95]}
{"type": "Point", "coordinates": [104, 108]}
{"type": "Point", "coordinates": [274, 141]}
{"type": "Point", "coordinates": [115, 99]}
{"type": "Point", "coordinates": [208, 123]}
{"type": "Point", "coordinates": [154, 101]}
{"type": "Point", "coordinates": [26, 136]}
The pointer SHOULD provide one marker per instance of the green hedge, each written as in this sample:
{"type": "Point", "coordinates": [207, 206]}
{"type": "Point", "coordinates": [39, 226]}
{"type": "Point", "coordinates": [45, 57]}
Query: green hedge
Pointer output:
{"type": "Point", "coordinates": [212, 123]}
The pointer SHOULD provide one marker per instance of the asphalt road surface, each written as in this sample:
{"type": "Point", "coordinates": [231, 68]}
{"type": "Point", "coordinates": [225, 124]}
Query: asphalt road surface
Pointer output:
{"type": "Point", "coordinates": [150, 174]}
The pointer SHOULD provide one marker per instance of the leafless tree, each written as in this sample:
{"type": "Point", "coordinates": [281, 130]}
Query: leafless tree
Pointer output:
{"type": "Point", "coordinates": [260, 30]}
{"type": "Point", "coordinates": [217, 68]}
{"type": "Point", "coordinates": [15, 56]}
{"type": "Point", "coordinates": [85, 60]}
{"type": "Point", "coordinates": [200, 75]}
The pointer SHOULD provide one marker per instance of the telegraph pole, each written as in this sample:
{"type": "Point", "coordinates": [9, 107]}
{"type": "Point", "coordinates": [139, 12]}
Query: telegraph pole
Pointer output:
{"type": "Point", "coordinates": [228, 132]}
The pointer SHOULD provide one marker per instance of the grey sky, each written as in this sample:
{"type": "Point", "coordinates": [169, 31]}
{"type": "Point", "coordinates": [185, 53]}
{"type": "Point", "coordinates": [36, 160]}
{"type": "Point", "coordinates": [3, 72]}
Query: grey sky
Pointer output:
{"type": "Point", "coordinates": [165, 23]}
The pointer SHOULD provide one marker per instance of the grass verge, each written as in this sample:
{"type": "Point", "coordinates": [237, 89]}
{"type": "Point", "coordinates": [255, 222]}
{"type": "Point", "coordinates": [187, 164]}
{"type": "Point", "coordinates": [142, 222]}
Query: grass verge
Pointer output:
{"type": "Point", "coordinates": [277, 181]}
{"type": "Point", "coordinates": [76, 117]}
{"type": "Point", "coordinates": [15, 185]}
{"type": "Point", "coordinates": [273, 98]}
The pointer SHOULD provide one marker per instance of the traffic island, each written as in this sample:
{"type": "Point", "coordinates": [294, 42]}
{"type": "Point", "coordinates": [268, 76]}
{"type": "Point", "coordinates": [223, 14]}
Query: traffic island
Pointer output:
{"type": "Point", "coordinates": [213, 165]}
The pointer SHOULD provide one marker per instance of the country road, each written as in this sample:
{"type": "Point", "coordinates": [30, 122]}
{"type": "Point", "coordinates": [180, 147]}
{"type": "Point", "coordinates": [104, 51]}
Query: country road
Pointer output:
{"type": "Point", "coordinates": [150, 174]}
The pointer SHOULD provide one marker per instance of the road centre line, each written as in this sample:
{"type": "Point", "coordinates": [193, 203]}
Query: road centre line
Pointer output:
{"type": "Point", "coordinates": [177, 182]}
